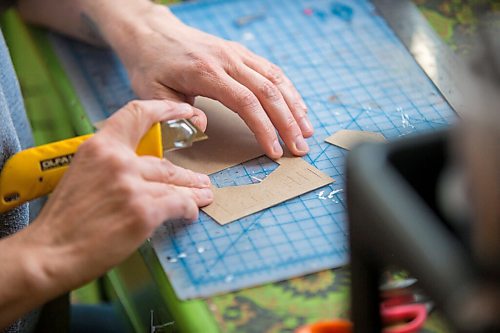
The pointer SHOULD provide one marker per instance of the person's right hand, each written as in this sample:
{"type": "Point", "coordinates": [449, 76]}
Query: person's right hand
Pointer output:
{"type": "Point", "coordinates": [110, 200]}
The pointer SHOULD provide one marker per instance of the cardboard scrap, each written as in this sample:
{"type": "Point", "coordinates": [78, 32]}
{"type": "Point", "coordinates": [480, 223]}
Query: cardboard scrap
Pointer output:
{"type": "Point", "coordinates": [347, 139]}
{"type": "Point", "coordinates": [293, 177]}
{"type": "Point", "coordinates": [230, 142]}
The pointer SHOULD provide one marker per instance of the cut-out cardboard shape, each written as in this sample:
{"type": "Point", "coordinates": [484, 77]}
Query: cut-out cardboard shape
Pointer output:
{"type": "Point", "coordinates": [293, 177]}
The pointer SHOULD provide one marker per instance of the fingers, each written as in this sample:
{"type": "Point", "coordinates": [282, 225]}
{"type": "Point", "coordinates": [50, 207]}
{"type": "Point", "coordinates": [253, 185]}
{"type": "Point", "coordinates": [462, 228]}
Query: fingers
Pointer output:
{"type": "Point", "coordinates": [199, 119]}
{"type": "Point", "coordinates": [173, 207]}
{"type": "Point", "coordinates": [262, 95]}
{"type": "Point", "coordinates": [176, 192]}
{"type": "Point", "coordinates": [290, 94]}
{"type": "Point", "coordinates": [201, 196]}
{"type": "Point", "coordinates": [162, 171]}
{"type": "Point", "coordinates": [176, 202]}
{"type": "Point", "coordinates": [130, 124]}
{"type": "Point", "coordinates": [240, 99]}
{"type": "Point", "coordinates": [271, 98]}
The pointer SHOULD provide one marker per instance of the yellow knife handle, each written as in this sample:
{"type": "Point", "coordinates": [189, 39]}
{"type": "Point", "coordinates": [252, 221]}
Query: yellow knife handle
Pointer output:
{"type": "Point", "coordinates": [34, 172]}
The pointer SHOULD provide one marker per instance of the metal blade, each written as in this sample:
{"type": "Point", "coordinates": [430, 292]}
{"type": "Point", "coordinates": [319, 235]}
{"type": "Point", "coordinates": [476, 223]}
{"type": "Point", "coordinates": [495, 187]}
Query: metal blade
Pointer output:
{"type": "Point", "coordinates": [180, 133]}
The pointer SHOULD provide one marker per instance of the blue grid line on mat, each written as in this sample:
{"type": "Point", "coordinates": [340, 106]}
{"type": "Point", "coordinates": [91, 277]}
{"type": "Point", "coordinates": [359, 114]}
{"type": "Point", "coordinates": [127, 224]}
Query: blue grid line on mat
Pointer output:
{"type": "Point", "coordinates": [352, 74]}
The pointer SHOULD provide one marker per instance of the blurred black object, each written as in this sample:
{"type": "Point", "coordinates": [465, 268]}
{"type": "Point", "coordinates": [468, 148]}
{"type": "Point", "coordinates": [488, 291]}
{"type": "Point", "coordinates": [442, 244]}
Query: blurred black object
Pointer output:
{"type": "Point", "coordinates": [431, 204]}
{"type": "Point", "coordinates": [395, 220]}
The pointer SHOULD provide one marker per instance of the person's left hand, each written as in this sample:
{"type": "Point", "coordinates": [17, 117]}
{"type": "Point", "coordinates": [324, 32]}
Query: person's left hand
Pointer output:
{"type": "Point", "coordinates": [166, 59]}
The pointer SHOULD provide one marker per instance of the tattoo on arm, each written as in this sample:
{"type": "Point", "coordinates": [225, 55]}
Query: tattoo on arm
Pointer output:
{"type": "Point", "coordinates": [91, 30]}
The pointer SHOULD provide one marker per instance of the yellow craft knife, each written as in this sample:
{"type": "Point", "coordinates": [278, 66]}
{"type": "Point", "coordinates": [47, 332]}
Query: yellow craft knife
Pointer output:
{"type": "Point", "coordinates": [34, 172]}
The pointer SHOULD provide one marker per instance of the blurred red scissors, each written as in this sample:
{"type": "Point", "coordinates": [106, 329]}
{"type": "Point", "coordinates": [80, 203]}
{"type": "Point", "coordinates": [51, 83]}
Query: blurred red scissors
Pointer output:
{"type": "Point", "coordinates": [403, 310]}
{"type": "Point", "coordinates": [399, 309]}
{"type": "Point", "coordinates": [403, 318]}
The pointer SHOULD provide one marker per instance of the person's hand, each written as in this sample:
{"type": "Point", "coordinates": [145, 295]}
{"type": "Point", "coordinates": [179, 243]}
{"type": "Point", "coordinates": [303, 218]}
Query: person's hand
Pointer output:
{"type": "Point", "coordinates": [110, 200]}
{"type": "Point", "coordinates": [167, 59]}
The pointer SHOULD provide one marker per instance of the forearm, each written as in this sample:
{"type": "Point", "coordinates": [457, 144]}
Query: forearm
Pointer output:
{"type": "Point", "coordinates": [99, 22]}
{"type": "Point", "coordinates": [24, 284]}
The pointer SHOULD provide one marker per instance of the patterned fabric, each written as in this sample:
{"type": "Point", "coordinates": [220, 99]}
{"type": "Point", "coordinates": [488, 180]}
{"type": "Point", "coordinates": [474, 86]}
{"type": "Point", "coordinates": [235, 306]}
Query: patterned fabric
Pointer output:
{"type": "Point", "coordinates": [15, 134]}
{"type": "Point", "coordinates": [456, 21]}
{"type": "Point", "coordinates": [284, 306]}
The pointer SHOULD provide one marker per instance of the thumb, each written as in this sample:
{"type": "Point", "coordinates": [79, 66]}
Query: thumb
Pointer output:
{"type": "Point", "coordinates": [129, 124]}
{"type": "Point", "coordinates": [199, 118]}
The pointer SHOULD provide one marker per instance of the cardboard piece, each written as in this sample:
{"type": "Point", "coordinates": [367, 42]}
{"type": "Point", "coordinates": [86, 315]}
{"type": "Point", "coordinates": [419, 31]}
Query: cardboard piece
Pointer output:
{"type": "Point", "coordinates": [293, 177]}
{"type": "Point", "coordinates": [347, 139]}
{"type": "Point", "coordinates": [230, 142]}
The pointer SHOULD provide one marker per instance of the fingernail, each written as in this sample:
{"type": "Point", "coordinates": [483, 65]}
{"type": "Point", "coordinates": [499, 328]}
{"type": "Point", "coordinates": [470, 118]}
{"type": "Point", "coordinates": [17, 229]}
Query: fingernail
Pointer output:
{"type": "Point", "coordinates": [301, 144]}
{"type": "Point", "coordinates": [204, 180]}
{"type": "Point", "coordinates": [306, 125]}
{"type": "Point", "coordinates": [195, 120]}
{"type": "Point", "coordinates": [277, 148]}
{"type": "Point", "coordinates": [206, 193]}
